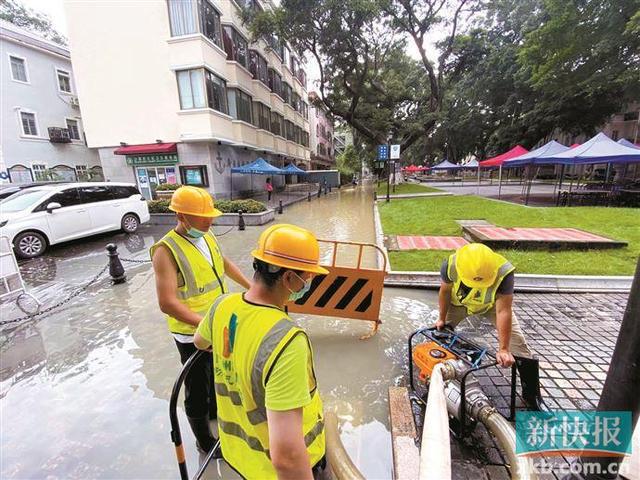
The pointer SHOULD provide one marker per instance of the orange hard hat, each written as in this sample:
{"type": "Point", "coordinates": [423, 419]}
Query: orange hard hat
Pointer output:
{"type": "Point", "coordinates": [289, 246]}
{"type": "Point", "coordinates": [193, 201]}
{"type": "Point", "coordinates": [478, 265]}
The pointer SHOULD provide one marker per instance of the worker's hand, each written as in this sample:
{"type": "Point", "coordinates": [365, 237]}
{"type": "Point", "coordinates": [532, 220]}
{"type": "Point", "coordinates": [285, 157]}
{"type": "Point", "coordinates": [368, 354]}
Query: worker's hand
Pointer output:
{"type": "Point", "coordinates": [504, 358]}
{"type": "Point", "coordinates": [440, 324]}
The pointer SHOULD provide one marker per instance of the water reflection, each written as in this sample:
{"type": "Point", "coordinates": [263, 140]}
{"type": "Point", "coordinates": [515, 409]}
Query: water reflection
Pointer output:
{"type": "Point", "coordinates": [84, 392]}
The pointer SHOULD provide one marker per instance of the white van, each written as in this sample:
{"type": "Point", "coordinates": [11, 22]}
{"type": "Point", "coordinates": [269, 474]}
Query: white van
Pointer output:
{"type": "Point", "coordinates": [45, 215]}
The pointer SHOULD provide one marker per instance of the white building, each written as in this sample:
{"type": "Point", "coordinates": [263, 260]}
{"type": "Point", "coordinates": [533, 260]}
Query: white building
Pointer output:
{"type": "Point", "coordinates": [173, 92]}
{"type": "Point", "coordinates": [42, 131]}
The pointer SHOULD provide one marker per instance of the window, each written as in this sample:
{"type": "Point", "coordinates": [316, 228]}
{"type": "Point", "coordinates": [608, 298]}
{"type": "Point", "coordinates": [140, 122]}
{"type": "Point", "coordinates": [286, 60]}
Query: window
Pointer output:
{"type": "Point", "coordinates": [294, 65]}
{"type": "Point", "coordinates": [29, 126]}
{"type": "Point", "coordinates": [295, 102]}
{"type": "Point", "coordinates": [190, 87]}
{"type": "Point", "coordinates": [289, 135]}
{"type": "Point", "coordinates": [286, 92]}
{"type": "Point", "coordinates": [18, 69]}
{"type": "Point", "coordinates": [40, 172]}
{"type": "Point", "coordinates": [305, 110]}
{"type": "Point", "coordinates": [74, 131]}
{"type": "Point", "coordinates": [96, 194]}
{"type": "Point", "coordinates": [240, 105]}
{"type": "Point", "coordinates": [216, 92]}
{"type": "Point", "coordinates": [64, 81]}
{"type": "Point", "coordinates": [81, 173]}
{"type": "Point", "coordinates": [275, 82]}
{"type": "Point", "coordinates": [66, 198]}
{"type": "Point", "coordinates": [258, 67]}
{"type": "Point", "coordinates": [261, 116]}
{"type": "Point", "coordinates": [123, 192]}
{"type": "Point", "coordinates": [276, 45]}
{"type": "Point", "coordinates": [195, 175]}
{"type": "Point", "coordinates": [276, 124]}
{"type": "Point", "coordinates": [286, 55]}
{"type": "Point", "coordinates": [182, 17]}
{"type": "Point", "coordinates": [302, 76]}
{"type": "Point", "coordinates": [236, 46]}
{"type": "Point", "coordinates": [210, 22]}
{"type": "Point", "coordinates": [614, 135]}
{"type": "Point", "coordinates": [305, 139]}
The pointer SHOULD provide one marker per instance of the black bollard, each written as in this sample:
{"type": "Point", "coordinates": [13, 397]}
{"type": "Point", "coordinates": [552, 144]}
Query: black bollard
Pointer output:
{"type": "Point", "coordinates": [375, 196]}
{"type": "Point", "coordinates": [240, 221]}
{"type": "Point", "coordinates": [325, 189]}
{"type": "Point", "coordinates": [309, 197]}
{"type": "Point", "coordinates": [329, 188]}
{"type": "Point", "coordinates": [116, 270]}
{"type": "Point", "coordinates": [280, 208]}
{"type": "Point", "coordinates": [319, 191]}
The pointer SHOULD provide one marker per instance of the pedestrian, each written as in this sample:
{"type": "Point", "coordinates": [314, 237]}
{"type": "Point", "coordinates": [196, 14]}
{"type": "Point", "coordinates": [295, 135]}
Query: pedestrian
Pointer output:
{"type": "Point", "coordinates": [476, 281]}
{"type": "Point", "coordinates": [269, 188]}
{"type": "Point", "coordinates": [270, 414]}
{"type": "Point", "coordinates": [190, 274]}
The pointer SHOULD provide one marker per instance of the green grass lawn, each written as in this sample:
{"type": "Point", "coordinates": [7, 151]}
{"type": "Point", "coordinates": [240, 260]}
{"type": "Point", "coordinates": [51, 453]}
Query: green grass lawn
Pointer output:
{"type": "Point", "coordinates": [405, 188]}
{"type": "Point", "coordinates": [437, 215]}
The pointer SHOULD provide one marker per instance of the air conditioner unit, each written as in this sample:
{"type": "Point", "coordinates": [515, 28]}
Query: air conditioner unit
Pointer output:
{"type": "Point", "coordinates": [75, 103]}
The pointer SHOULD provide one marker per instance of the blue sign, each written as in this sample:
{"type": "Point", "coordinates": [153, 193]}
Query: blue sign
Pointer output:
{"type": "Point", "coordinates": [383, 152]}
{"type": "Point", "coordinates": [573, 432]}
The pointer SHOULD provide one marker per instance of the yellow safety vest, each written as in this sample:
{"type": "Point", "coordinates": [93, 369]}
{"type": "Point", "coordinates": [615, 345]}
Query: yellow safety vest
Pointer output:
{"type": "Point", "coordinates": [199, 284]}
{"type": "Point", "coordinates": [478, 300]}
{"type": "Point", "coordinates": [247, 340]}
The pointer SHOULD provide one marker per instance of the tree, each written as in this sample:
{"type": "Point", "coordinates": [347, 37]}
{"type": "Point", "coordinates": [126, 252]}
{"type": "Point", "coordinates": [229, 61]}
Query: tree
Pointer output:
{"type": "Point", "coordinates": [349, 164]}
{"type": "Point", "coordinates": [14, 12]}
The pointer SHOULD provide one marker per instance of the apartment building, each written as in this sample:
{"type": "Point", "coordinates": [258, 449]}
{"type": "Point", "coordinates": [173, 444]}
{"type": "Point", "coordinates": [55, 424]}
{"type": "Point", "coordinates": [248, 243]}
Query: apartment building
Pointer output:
{"type": "Point", "coordinates": [174, 91]}
{"type": "Point", "coordinates": [42, 130]}
{"type": "Point", "coordinates": [321, 125]}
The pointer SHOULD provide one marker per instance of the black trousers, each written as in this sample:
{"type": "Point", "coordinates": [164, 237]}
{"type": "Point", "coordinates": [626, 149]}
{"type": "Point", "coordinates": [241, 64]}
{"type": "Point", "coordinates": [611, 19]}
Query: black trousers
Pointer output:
{"type": "Point", "coordinates": [199, 396]}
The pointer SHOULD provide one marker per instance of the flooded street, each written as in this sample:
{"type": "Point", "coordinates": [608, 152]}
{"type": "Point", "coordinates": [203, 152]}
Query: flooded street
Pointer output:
{"type": "Point", "coordinates": [85, 390]}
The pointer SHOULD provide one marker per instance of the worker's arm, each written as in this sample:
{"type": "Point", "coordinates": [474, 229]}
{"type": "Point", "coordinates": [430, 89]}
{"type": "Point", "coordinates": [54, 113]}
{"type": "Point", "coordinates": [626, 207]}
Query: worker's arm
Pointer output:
{"type": "Point", "coordinates": [504, 304]}
{"type": "Point", "coordinates": [166, 272]}
{"type": "Point", "coordinates": [444, 300]}
{"type": "Point", "coordinates": [286, 445]}
{"type": "Point", "coordinates": [234, 273]}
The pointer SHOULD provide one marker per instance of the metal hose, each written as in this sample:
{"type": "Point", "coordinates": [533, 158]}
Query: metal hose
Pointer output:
{"type": "Point", "coordinates": [503, 431]}
{"type": "Point", "coordinates": [338, 458]}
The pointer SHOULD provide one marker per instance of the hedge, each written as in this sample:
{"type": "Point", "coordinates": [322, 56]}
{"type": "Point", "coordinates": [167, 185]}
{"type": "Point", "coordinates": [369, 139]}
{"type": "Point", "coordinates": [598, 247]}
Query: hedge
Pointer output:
{"type": "Point", "coordinates": [163, 187]}
{"type": "Point", "coordinates": [225, 206]}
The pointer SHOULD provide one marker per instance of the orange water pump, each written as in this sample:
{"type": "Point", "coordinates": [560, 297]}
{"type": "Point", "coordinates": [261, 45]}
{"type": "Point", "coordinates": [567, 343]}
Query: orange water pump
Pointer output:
{"type": "Point", "coordinates": [427, 355]}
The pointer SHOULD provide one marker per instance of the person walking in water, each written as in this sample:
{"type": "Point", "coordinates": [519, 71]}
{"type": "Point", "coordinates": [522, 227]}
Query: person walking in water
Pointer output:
{"type": "Point", "coordinates": [269, 189]}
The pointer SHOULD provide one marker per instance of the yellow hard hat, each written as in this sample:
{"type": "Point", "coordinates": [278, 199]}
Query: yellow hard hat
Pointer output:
{"type": "Point", "coordinates": [193, 201]}
{"type": "Point", "coordinates": [478, 265]}
{"type": "Point", "coordinates": [291, 247]}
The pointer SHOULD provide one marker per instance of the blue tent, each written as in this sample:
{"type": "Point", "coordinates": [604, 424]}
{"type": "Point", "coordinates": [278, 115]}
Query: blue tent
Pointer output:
{"type": "Point", "coordinates": [600, 149]}
{"type": "Point", "coordinates": [259, 167]}
{"type": "Point", "coordinates": [537, 156]}
{"type": "Point", "coordinates": [445, 165]}
{"type": "Point", "coordinates": [626, 143]}
{"type": "Point", "coordinates": [291, 169]}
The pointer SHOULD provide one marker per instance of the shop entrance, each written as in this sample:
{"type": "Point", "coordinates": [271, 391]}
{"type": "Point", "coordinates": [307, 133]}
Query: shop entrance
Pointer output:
{"type": "Point", "coordinates": [149, 178]}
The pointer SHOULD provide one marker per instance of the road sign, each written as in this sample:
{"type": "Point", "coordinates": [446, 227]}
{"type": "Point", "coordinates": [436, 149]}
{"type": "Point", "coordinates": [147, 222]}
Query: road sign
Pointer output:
{"type": "Point", "coordinates": [383, 152]}
{"type": "Point", "coordinates": [395, 152]}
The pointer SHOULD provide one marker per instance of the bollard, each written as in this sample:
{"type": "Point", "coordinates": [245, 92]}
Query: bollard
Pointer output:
{"type": "Point", "coordinates": [325, 189]}
{"type": "Point", "coordinates": [319, 191]}
{"type": "Point", "coordinates": [329, 188]}
{"type": "Point", "coordinates": [309, 197]}
{"type": "Point", "coordinates": [280, 208]}
{"type": "Point", "coordinates": [375, 196]}
{"type": "Point", "coordinates": [240, 221]}
{"type": "Point", "coordinates": [116, 270]}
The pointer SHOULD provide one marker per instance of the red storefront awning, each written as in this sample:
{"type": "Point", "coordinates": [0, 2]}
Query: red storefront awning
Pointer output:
{"type": "Point", "coordinates": [148, 148]}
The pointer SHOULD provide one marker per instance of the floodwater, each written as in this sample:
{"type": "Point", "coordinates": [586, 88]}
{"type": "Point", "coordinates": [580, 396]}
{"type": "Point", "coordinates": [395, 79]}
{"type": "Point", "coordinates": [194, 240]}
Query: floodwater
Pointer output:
{"type": "Point", "coordinates": [84, 392]}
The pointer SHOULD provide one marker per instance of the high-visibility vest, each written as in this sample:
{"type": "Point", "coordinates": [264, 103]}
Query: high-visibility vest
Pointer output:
{"type": "Point", "coordinates": [247, 340]}
{"type": "Point", "coordinates": [199, 283]}
{"type": "Point", "coordinates": [478, 300]}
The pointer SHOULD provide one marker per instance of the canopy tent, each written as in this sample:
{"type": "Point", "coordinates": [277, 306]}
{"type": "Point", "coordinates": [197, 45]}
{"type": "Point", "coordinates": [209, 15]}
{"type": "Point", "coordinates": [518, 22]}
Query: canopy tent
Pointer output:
{"type": "Point", "coordinates": [291, 169]}
{"type": "Point", "coordinates": [259, 167]}
{"type": "Point", "coordinates": [600, 149]}
{"type": "Point", "coordinates": [545, 150]}
{"type": "Point", "coordinates": [471, 164]}
{"type": "Point", "coordinates": [500, 159]}
{"type": "Point", "coordinates": [626, 143]}
{"type": "Point", "coordinates": [414, 168]}
{"type": "Point", "coordinates": [445, 165]}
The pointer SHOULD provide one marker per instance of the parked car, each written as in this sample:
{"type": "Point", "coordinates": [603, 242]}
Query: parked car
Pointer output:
{"type": "Point", "coordinates": [40, 216]}
{"type": "Point", "coordinates": [10, 189]}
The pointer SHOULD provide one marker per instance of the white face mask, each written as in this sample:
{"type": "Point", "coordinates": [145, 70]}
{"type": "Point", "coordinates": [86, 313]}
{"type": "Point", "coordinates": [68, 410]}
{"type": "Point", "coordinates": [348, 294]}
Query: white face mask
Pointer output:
{"type": "Point", "coordinates": [300, 293]}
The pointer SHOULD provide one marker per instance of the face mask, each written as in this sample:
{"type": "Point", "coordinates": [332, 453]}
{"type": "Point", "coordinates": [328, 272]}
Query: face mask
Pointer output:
{"type": "Point", "coordinates": [300, 293]}
{"type": "Point", "coordinates": [194, 232]}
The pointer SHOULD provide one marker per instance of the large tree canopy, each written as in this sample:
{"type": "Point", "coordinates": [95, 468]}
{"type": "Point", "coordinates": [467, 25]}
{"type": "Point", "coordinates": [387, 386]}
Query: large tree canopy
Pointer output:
{"type": "Point", "coordinates": [14, 12]}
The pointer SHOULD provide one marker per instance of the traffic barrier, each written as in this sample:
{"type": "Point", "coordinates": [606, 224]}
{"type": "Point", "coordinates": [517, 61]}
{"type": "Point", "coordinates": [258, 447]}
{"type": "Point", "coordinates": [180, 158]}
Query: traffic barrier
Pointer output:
{"type": "Point", "coordinates": [346, 291]}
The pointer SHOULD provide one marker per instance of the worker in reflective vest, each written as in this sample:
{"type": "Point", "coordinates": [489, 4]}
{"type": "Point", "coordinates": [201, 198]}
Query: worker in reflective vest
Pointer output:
{"type": "Point", "coordinates": [190, 274]}
{"type": "Point", "coordinates": [476, 281]}
{"type": "Point", "coordinates": [270, 414]}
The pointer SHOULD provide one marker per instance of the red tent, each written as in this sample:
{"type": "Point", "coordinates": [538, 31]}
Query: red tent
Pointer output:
{"type": "Point", "coordinates": [500, 159]}
{"type": "Point", "coordinates": [575, 145]}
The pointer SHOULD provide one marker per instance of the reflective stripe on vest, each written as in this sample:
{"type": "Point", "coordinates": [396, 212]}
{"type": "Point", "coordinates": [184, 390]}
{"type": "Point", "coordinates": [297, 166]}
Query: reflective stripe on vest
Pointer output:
{"type": "Point", "coordinates": [203, 282]}
{"type": "Point", "coordinates": [254, 341]}
{"type": "Point", "coordinates": [478, 300]}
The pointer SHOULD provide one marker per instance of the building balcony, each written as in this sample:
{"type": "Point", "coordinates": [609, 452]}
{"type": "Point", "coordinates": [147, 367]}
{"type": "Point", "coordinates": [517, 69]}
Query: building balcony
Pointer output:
{"type": "Point", "coordinates": [197, 49]}
{"type": "Point", "coordinates": [236, 74]}
{"type": "Point", "coordinates": [265, 140]}
{"type": "Point", "coordinates": [59, 135]}
{"type": "Point", "coordinates": [207, 124]}
{"type": "Point", "coordinates": [280, 145]}
{"type": "Point", "coordinates": [277, 104]}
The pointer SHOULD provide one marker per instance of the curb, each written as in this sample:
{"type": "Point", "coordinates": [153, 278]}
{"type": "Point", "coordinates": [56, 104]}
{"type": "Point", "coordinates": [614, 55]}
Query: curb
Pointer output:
{"type": "Point", "coordinates": [525, 282]}
{"type": "Point", "coordinates": [417, 195]}
{"type": "Point", "coordinates": [379, 236]}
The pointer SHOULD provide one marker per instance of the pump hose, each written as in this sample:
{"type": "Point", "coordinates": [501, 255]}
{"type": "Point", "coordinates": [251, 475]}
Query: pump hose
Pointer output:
{"type": "Point", "coordinates": [337, 457]}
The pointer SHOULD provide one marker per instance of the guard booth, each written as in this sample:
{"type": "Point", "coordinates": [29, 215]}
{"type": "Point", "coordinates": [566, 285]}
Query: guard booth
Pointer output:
{"type": "Point", "coordinates": [11, 284]}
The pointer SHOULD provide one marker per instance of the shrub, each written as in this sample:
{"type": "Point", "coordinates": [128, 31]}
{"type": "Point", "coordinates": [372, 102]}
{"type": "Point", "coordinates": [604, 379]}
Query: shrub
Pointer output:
{"type": "Point", "coordinates": [159, 206]}
{"type": "Point", "coordinates": [168, 187]}
{"type": "Point", "coordinates": [247, 206]}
